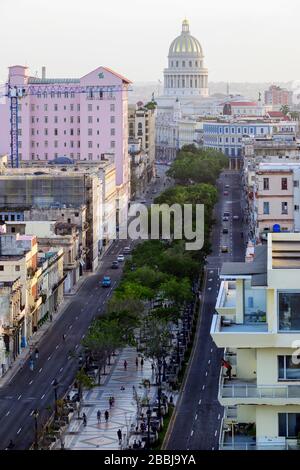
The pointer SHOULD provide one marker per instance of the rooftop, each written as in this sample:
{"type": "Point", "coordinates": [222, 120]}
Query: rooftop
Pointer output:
{"type": "Point", "coordinates": [257, 269]}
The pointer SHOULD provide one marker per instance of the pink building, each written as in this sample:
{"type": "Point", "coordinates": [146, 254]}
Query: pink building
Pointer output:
{"type": "Point", "coordinates": [277, 96]}
{"type": "Point", "coordinates": [80, 118]}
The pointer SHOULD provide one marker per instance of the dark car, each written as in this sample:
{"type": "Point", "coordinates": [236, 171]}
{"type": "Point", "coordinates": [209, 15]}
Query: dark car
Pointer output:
{"type": "Point", "coordinates": [114, 265]}
{"type": "Point", "coordinates": [225, 231]}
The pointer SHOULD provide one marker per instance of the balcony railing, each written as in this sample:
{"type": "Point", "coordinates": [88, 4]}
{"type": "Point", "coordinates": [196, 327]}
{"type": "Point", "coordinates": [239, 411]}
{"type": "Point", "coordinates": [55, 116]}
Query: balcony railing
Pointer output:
{"type": "Point", "coordinates": [252, 390]}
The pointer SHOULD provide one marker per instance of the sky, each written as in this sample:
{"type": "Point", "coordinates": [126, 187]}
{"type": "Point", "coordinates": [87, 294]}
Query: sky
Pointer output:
{"type": "Point", "coordinates": [243, 41]}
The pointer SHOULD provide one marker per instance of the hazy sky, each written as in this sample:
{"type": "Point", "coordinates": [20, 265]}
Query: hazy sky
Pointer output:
{"type": "Point", "coordinates": [254, 40]}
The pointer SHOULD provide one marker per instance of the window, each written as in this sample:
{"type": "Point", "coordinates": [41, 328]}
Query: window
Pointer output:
{"type": "Point", "coordinates": [296, 207]}
{"type": "Point", "coordinates": [288, 424]}
{"type": "Point", "coordinates": [284, 208]}
{"type": "Point", "coordinates": [284, 183]}
{"type": "Point", "coordinates": [1, 267]}
{"type": "Point", "coordinates": [71, 119]}
{"type": "Point", "coordinates": [17, 268]}
{"type": "Point", "coordinates": [78, 107]}
{"type": "Point", "coordinates": [46, 131]}
{"type": "Point", "coordinates": [254, 304]}
{"type": "Point", "coordinates": [55, 107]}
{"type": "Point", "coordinates": [190, 63]}
{"type": "Point", "coordinates": [90, 131]}
{"type": "Point", "coordinates": [90, 144]}
{"type": "Point", "coordinates": [90, 107]}
{"type": "Point", "coordinates": [289, 311]}
{"type": "Point", "coordinates": [71, 107]}
{"type": "Point", "coordinates": [266, 184]}
{"type": "Point", "coordinates": [55, 119]}
{"type": "Point", "coordinates": [266, 208]}
{"type": "Point", "coordinates": [55, 131]}
{"type": "Point", "coordinates": [112, 132]}
{"type": "Point", "coordinates": [71, 131]}
{"type": "Point", "coordinates": [90, 156]}
{"type": "Point", "coordinates": [90, 119]}
{"type": "Point", "coordinates": [113, 144]}
{"type": "Point", "coordinates": [112, 107]}
{"type": "Point", "coordinates": [112, 119]}
{"type": "Point", "coordinates": [183, 63]}
{"type": "Point", "coordinates": [296, 183]}
{"type": "Point", "coordinates": [287, 369]}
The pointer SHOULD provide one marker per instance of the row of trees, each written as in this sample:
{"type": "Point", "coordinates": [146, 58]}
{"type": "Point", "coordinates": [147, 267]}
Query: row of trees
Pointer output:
{"type": "Point", "coordinates": [158, 279]}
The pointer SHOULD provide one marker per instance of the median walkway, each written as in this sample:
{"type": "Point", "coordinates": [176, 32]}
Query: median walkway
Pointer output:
{"type": "Point", "coordinates": [124, 385]}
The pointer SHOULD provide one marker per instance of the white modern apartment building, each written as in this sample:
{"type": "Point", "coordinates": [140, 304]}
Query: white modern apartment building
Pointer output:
{"type": "Point", "coordinates": [258, 325]}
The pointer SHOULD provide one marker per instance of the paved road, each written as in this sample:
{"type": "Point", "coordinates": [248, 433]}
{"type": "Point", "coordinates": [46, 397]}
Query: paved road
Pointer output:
{"type": "Point", "coordinates": [30, 390]}
{"type": "Point", "coordinates": [198, 414]}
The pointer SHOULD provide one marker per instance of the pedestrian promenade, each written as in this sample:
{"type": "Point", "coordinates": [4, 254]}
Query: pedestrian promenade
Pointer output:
{"type": "Point", "coordinates": [122, 414]}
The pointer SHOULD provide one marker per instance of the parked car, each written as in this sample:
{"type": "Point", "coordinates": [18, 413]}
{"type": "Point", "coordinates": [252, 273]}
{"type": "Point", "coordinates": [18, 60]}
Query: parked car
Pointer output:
{"type": "Point", "coordinates": [226, 214]}
{"type": "Point", "coordinates": [224, 249]}
{"type": "Point", "coordinates": [106, 281]}
{"type": "Point", "coordinates": [225, 218]}
{"type": "Point", "coordinates": [225, 231]}
{"type": "Point", "coordinates": [127, 250]}
{"type": "Point", "coordinates": [115, 264]}
{"type": "Point", "coordinates": [226, 193]}
{"type": "Point", "coordinates": [235, 217]}
{"type": "Point", "coordinates": [227, 186]}
{"type": "Point", "coordinates": [120, 258]}
{"type": "Point", "coordinates": [143, 201]}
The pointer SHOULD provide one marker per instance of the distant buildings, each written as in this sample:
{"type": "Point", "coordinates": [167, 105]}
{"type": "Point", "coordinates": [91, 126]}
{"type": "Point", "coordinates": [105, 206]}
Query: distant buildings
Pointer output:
{"type": "Point", "coordinates": [227, 135]}
{"type": "Point", "coordinates": [278, 97]}
{"type": "Point", "coordinates": [258, 324]}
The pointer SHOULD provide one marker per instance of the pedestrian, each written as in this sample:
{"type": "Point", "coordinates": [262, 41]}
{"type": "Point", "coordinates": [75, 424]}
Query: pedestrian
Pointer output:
{"type": "Point", "coordinates": [64, 337]}
{"type": "Point", "coordinates": [31, 365]}
{"type": "Point", "coordinates": [122, 388]}
{"type": "Point", "coordinates": [11, 445]}
{"type": "Point", "coordinates": [106, 415]}
{"type": "Point", "coordinates": [137, 362]}
{"type": "Point", "coordinates": [125, 364]}
{"type": "Point", "coordinates": [99, 416]}
{"type": "Point", "coordinates": [119, 433]}
{"type": "Point", "coordinates": [84, 419]}
{"type": "Point", "coordinates": [36, 353]}
{"type": "Point", "coordinates": [110, 402]}
{"type": "Point", "coordinates": [142, 362]}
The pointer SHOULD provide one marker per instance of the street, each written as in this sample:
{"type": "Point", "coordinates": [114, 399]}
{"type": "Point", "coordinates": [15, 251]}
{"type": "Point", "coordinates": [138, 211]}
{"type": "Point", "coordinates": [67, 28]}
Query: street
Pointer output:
{"type": "Point", "coordinates": [58, 358]}
{"type": "Point", "coordinates": [198, 414]}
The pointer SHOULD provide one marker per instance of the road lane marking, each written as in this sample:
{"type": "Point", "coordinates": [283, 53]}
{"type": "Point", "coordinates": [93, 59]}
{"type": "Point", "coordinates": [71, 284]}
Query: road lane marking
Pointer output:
{"type": "Point", "coordinates": [196, 417]}
{"type": "Point", "coordinates": [40, 370]}
{"type": "Point", "coordinates": [206, 374]}
{"type": "Point", "coordinates": [7, 413]}
{"type": "Point", "coordinates": [30, 382]}
{"type": "Point", "coordinates": [199, 402]}
{"type": "Point", "coordinates": [212, 448]}
{"type": "Point", "coordinates": [219, 416]}
{"type": "Point", "coordinates": [77, 345]}
{"type": "Point", "coordinates": [209, 361]}
{"type": "Point", "coordinates": [57, 346]}
{"type": "Point", "coordinates": [192, 432]}
{"type": "Point", "coordinates": [203, 387]}
{"type": "Point", "coordinates": [216, 432]}
{"type": "Point", "coordinates": [19, 431]}
{"type": "Point", "coordinates": [49, 358]}
{"type": "Point", "coordinates": [70, 326]}
{"type": "Point", "coordinates": [31, 413]}
{"type": "Point", "coordinates": [19, 397]}
{"type": "Point", "coordinates": [61, 369]}
{"type": "Point", "coordinates": [42, 396]}
{"type": "Point", "coordinates": [211, 350]}
{"type": "Point", "coordinates": [52, 382]}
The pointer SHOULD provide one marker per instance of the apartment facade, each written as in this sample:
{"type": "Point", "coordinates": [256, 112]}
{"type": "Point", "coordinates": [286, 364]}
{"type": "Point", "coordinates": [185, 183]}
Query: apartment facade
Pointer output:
{"type": "Point", "coordinates": [258, 322]}
{"type": "Point", "coordinates": [277, 96]}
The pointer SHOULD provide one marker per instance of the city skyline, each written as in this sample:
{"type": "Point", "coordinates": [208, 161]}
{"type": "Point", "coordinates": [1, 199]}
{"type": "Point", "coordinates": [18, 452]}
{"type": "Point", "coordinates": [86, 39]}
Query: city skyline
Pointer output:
{"type": "Point", "coordinates": [71, 31]}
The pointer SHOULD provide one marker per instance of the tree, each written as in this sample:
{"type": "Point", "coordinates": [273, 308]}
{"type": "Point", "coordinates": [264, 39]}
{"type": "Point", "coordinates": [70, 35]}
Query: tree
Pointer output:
{"type": "Point", "coordinates": [285, 109]}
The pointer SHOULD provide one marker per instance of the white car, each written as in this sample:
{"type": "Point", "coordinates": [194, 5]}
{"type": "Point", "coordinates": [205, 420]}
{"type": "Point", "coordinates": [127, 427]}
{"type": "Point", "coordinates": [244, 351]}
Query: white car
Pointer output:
{"type": "Point", "coordinates": [121, 258]}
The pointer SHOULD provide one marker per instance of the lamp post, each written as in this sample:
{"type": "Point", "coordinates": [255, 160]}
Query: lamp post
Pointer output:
{"type": "Point", "coordinates": [35, 415]}
{"type": "Point", "coordinates": [148, 424]}
{"type": "Point", "coordinates": [55, 387]}
{"type": "Point", "coordinates": [159, 389]}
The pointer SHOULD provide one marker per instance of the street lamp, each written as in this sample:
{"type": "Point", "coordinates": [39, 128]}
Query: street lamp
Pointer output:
{"type": "Point", "coordinates": [148, 424]}
{"type": "Point", "coordinates": [55, 387]}
{"type": "Point", "coordinates": [35, 415]}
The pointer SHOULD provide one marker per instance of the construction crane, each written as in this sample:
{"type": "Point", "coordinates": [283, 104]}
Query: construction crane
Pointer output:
{"type": "Point", "coordinates": [17, 93]}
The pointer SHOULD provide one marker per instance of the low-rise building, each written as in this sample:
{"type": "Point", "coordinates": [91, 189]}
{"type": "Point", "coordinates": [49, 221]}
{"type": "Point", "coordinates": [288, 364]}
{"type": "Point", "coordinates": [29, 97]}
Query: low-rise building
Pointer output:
{"type": "Point", "coordinates": [258, 324]}
{"type": "Point", "coordinates": [277, 97]}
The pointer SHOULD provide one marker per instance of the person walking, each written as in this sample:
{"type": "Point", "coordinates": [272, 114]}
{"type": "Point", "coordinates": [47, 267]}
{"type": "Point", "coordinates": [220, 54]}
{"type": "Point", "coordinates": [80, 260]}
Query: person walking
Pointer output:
{"type": "Point", "coordinates": [110, 402]}
{"type": "Point", "coordinates": [125, 364]}
{"type": "Point", "coordinates": [99, 416]}
{"type": "Point", "coordinates": [106, 415]}
{"type": "Point", "coordinates": [137, 362]}
{"type": "Point", "coordinates": [31, 365]}
{"type": "Point", "coordinates": [119, 433]}
{"type": "Point", "coordinates": [142, 362]}
{"type": "Point", "coordinates": [84, 419]}
{"type": "Point", "coordinates": [64, 337]}
{"type": "Point", "coordinates": [36, 352]}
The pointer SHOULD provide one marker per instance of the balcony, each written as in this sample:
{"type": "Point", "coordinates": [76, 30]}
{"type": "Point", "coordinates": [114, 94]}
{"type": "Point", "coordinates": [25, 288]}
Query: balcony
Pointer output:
{"type": "Point", "coordinates": [246, 392]}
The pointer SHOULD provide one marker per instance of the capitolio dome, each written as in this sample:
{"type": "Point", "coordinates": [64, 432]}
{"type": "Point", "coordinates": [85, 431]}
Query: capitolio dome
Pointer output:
{"type": "Point", "coordinates": [186, 44]}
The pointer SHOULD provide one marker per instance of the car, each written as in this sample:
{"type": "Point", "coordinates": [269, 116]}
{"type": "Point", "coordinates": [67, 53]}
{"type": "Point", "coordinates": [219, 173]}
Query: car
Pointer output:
{"type": "Point", "coordinates": [227, 186]}
{"type": "Point", "coordinates": [120, 258]}
{"type": "Point", "coordinates": [225, 231]}
{"type": "Point", "coordinates": [226, 214]}
{"type": "Point", "coordinates": [226, 193]}
{"type": "Point", "coordinates": [225, 218]}
{"type": "Point", "coordinates": [224, 249]}
{"type": "Point", "coordinates": [115, 264]}
{"type": "Point", "coordinates": [127, 250]}
{"type": "Point", "coordinates": [143, 201]}
{"type": "Point", "coordinates": [154, 191]}
{"type": "Point", "coordinates": [236, 217]}
{"type": "Point", "coordinates": [106, 281]}
{"type": "Point", "coordinates": [157, 176]}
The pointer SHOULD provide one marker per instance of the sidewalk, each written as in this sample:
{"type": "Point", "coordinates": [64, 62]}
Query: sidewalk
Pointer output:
{"type": "Point", "coordinates": [17, 365]}
{"type": "Point", "coordinates": [121, 415]}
